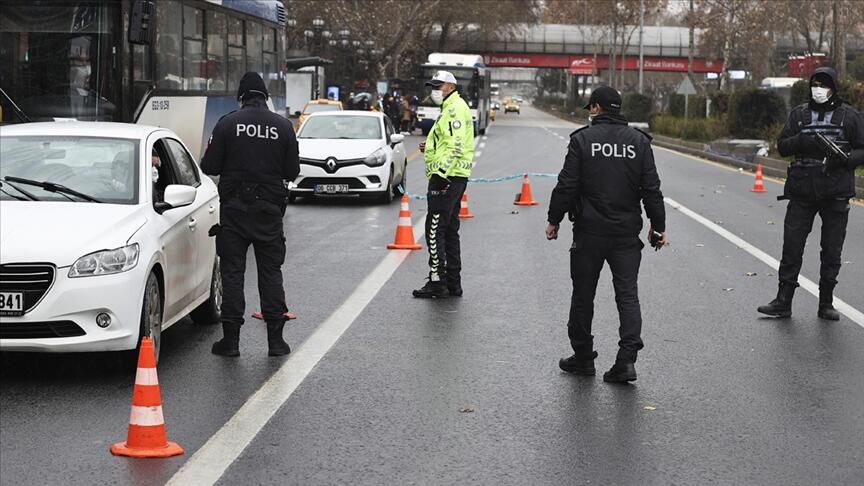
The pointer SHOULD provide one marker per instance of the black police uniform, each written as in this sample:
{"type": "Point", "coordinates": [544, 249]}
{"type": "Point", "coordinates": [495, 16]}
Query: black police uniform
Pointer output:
{"type": "Point", "coordinates": [252, 150]}
{"type": "Point", "coordinates": [817, 185]}
{"type": "Point", "coordinates": [608, 169]}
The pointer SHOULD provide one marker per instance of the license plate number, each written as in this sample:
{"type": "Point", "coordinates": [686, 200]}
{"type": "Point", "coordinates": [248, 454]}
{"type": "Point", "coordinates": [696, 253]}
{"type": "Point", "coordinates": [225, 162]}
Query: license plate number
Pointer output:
{"type": "Point", "coordinates": [11, 303]}
{"type": "Point", "coordinates": [331, 188]}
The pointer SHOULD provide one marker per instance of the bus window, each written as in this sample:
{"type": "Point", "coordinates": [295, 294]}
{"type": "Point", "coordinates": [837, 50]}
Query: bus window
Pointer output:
{"type": "Point", "coordinates": [253, 47]}
{"type": "Point", "coordinates": [272, 69]}
{"type": "Point", "coordinates": [169, 24]}
{"type": "Point", "coordinates": [216, 66]}
{"type": "Point", "coordinates": [56, 60]}
{"type": "Point", "coordinates": [194, 71]}
{"type": "Point", "coordinates": [236, 53]}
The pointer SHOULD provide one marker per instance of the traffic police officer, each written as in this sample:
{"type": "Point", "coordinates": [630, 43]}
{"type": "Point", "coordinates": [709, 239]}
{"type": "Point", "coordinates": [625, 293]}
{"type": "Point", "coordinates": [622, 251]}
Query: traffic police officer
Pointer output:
{"type": "Point", "coordinates": [608, 169]}
{"type": "Point", "coordinates": [253, 150]}
{"type": "Point", "coordinates": [817, 183]}
{"type": "Point", "coordinates": [448, 152]}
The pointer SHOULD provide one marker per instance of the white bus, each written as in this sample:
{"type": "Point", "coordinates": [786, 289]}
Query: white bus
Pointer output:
{"type": "Point", "coordinates": [169, 63]}
{"type": "Point", "coordinates": [474, 84]}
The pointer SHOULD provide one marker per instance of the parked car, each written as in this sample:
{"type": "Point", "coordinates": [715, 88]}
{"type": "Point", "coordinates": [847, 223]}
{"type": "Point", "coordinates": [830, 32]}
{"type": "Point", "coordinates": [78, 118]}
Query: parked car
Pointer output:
{"type": "Point", "coordinates": [104, 236]}
{"type": "Point", "coordinates": [350, 153]}
{"type": "Point", "coordinates": [315, 106]}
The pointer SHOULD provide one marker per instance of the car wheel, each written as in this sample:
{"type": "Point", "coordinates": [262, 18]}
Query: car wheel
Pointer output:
{"type": "Point", "coordinates": [386, 196]}
{"type": "Point", "coordinates": [151, 314]}
{"type": "Point", "coordinates": [399, 189]}
{"type": "Point", "coordinates": [210, 312]}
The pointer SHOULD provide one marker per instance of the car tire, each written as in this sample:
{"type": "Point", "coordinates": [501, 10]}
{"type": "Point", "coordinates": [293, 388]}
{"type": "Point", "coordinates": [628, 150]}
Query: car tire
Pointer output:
{"type": "Point", "coordinates": [210, 311]}
{"type": "Point", "coordinates": [386, 196]}
{"type": "Point", "coordinates": [151, 319]}
{"type": "Point", "coordinates": [401, 188]}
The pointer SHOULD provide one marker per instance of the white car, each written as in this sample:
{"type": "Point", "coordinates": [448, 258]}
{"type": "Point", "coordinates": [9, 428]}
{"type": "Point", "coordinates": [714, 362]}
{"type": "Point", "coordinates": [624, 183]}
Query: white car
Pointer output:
{"type": "Point", "coordinates": [350, 153]}
{"type": "Point", "coordinates": [93, 252]}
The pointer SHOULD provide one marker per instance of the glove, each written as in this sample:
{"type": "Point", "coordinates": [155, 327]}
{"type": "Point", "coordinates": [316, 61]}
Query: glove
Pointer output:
{"type": "Point", "coordinates": [836, 163]}
{"type": "Point", "coordinates": [808, 146]}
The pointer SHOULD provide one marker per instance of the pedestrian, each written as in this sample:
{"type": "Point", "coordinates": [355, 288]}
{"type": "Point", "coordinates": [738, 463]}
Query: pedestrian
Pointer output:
{"type": "Point", "coordinates": [817, 183]}
{"type": "Point", "coordinates": [608, 170]}
{"type": "Point", "coordinates": [405, 115]}
{"type": "Point", "coordinates": [253, 150]}
{"type": "Point", "coordinates": [448, 153]}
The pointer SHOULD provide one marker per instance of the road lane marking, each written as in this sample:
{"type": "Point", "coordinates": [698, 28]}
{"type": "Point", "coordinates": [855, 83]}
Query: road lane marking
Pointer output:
{"type": "Point", "coordinates": [208, 464]}
{"type": "Point", "coordinates": [852, 313]}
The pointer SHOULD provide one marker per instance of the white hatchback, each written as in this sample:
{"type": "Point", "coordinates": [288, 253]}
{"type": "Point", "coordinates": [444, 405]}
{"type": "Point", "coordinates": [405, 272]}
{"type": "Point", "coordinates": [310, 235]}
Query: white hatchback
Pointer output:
{"type": "Point", "coordinates": [103, 236]}
{"type": "Point", "coordinates": [350, 153]}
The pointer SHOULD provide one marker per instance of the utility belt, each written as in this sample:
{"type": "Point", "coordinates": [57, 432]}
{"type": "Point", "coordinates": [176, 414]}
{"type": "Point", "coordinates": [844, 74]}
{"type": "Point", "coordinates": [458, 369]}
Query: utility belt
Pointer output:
{"type": "Point", "coordinates": [248, 192]}
{"type": "Point", "coordinates": [807, 178]}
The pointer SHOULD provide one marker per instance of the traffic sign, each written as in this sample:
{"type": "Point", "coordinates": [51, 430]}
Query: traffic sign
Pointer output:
{"type": "Point", "coordinates": [686, 87]}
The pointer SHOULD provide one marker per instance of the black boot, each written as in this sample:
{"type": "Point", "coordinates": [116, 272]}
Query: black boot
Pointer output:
{"type": "Point", "coordinates": [579, 364]}
{"type": "Point", "coordinates": [454, 286]}
{"type": "Point", "coordinates": [229, 345]}
{"type": "Point", "coordinates": [434, 289]}
{"type": "Point", "coordinates": [782, 305]}
{"type": "Point", "coordinates": [277, 345]}
{"type": "Point", "coordinates": [620, 373]}
{"type": "Point", "coordinates": [826, 305]}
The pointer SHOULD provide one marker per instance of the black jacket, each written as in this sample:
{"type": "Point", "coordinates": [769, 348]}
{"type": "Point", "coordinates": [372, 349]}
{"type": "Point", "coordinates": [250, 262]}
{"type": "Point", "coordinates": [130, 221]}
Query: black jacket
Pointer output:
{"type": "Point", "coordinates": [609, 168]}
{"type": "Point", "coordinates": [255, 146]}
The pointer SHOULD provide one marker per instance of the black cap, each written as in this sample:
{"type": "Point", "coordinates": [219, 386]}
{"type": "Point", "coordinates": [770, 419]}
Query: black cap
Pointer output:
{"type": "Point", "coordinates": [607, 98]}
{"type": "Point", "coordinates": [825, 75]}
{"type": "Point", "coordinates": [251, 84]}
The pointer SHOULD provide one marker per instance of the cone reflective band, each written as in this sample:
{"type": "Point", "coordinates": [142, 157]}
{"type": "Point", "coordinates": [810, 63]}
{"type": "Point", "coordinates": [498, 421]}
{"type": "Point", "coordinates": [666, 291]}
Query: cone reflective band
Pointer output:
{"type": "Point", "coordinates": [404, 231]}
{"type": "Point", "coordinates": [524, 198]}
{"type": "Point", "coordinates": [146, 436]}
{"type": "Point", "coordinates": [758, 186]}
{"type": "Point", "coordinates": [464, 213]}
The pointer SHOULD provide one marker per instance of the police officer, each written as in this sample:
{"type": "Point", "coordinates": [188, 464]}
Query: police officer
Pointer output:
{"type": "Point", "coordinates": [448, 152]}
{"type": "Point", "coordinates": [817, 183]}
{"type": "Point", "coordinates": [608, 169]}
{"type": "Point", "coordinates": [252, 150]}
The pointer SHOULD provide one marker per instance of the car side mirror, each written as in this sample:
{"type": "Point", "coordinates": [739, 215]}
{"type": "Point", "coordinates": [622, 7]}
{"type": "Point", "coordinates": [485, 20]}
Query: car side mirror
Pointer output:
{"type": "Point", "coordinates": [176, 196]}
{"type": "Point", "coordinates": [397, 138]}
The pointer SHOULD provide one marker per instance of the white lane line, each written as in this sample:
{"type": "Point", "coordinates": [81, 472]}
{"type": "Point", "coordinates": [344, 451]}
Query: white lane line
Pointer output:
{"type": "Point", "coordinates": [478, 153]}
{"type": "Point", "coordinates": [852, 313]}
{"type": "Point", "coordinates": [482, 145]}
{"type": "Point", "coordinates": [210, 462]}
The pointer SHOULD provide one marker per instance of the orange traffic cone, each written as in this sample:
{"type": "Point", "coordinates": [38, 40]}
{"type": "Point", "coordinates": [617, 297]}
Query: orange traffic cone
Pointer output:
{"type": "Point", "coordinates": [464, 212]}
{"type": "Point", "coordinates": [524, 197]}
{"type": "Point", "coordinates": [758, 186]}
{"type": "Point", "coordinates": [404, 231]}
{"type": "Point", "coordinates": [146, 437]}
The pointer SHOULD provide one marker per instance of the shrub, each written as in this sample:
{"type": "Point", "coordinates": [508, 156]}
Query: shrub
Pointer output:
{"type": "Point", "coordinates": [719, 103]}
{"type": "Point", "coordinates": [753, 109]}
{"type": "Point", "coordinates": [800, 93]}
{"type": "Point", "coordinates": [852, 92]}
{"type": "Point", "coordinates": [695, 129]}
{"type": "Point", "coordinates": [695, 105]}
{"type": "Point", "coordinates": [636, 107]}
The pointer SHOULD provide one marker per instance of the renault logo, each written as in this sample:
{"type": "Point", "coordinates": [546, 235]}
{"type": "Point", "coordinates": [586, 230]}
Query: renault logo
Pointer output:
{"type": "Point", "coordinates": [331, 164]}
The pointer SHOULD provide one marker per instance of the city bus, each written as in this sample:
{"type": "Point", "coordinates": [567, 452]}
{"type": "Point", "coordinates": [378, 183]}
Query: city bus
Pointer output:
{"type": "Point", "coordinates": [474, 84]}
{"type": "Point", "coordinates": [169, 63]}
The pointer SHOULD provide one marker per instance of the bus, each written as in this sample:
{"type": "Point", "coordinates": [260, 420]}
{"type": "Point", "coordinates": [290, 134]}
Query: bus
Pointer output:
{"type": "Point", "coordinates": [169, 63]}
{"type": "Point", "coordinates": [474, 84]}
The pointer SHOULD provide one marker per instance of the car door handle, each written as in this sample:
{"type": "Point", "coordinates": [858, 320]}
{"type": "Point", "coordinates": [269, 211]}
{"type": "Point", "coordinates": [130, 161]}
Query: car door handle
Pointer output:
{"type": "Point", "coordinates": [193, 223]}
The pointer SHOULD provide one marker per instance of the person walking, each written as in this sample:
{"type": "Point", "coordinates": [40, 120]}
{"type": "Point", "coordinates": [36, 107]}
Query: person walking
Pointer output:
{"type": "Point", "coordinates": [448, 153]}
{"type": "Point", "coordinates": [252, 150]}
{"type": "Point", "coordinates": [608, 170]}
{"type": "Point", "coordinates": [820, 183]}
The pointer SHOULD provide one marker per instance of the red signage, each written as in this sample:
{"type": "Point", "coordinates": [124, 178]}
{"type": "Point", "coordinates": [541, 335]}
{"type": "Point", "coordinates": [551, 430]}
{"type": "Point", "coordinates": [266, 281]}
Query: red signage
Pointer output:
{"type": "Point", "coordinates": [588, 64]}
{"type": "Point", "coordinates": [803, 66]}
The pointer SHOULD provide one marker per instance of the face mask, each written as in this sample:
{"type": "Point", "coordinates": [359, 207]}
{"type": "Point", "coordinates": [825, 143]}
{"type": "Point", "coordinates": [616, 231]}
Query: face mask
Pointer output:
{"type": "Point", "coordinates": [820, 95]}
{"type": "Point", "coordinates": [437, 96]}
{"type": "Point", "coordinates": [155, 175]}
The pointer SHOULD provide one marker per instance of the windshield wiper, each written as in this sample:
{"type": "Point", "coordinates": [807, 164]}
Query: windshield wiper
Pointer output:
{"type": "Point", "coordinates": [52, 187]}
{"type": "Point", "coordinates": [22, 191]}
{"type": "Point", "coordinates": [4, 191]}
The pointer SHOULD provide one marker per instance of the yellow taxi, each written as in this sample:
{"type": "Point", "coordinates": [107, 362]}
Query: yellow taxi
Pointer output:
{"type": "Point", "coordinates": [314, 106]}
{"type": "Point", "coordinates": [511, 105]}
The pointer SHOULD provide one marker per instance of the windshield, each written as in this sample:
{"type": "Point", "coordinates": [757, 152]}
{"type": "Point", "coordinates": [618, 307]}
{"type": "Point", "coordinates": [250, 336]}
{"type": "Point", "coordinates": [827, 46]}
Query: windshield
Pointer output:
{"type": "Point", "coordinates": [314, 108]}
{"type": "Point", "coordinates": [57, 60]}
{"type": "Point", "coordinates": [342, 127]}
{"type": "Point", "coordinates": [466, 78]}
{"type": "Point", "coordinates": [104, 168]}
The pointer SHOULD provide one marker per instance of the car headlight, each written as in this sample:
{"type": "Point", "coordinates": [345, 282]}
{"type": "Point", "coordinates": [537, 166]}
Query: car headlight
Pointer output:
{"type": "Point", "coordinates": [105, 262]}
{"type": "Point", "coordinates": [377, 158]}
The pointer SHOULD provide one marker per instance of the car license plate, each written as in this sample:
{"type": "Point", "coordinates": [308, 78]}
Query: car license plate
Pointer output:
{"type": "Point", "coordinates": [11, 303]}
{"type": "Point", "coordinates": [331, 188]}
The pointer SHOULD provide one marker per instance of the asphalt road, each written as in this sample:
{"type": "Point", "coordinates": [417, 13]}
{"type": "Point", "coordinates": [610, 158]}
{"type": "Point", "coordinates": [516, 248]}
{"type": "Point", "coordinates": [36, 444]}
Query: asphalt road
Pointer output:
{"type": "Point", "coordinates": [467, 391]}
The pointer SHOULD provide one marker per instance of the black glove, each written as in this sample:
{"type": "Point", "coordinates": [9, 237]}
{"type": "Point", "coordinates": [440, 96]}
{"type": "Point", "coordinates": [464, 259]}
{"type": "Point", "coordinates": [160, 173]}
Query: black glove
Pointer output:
{"type": "Point", "coordinates": [808, 146]}
{"type": "Point", "coordinates": [836, 163]}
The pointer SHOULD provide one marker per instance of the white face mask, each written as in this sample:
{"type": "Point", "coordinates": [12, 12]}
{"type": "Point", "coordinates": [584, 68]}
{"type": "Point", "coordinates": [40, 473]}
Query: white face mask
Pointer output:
{"type": "Point", "coordinates": [820, 95]}
{"type": "Point", "coordinates": [155, 175]}
{"type": "Point", "coordinates": [437, 96]}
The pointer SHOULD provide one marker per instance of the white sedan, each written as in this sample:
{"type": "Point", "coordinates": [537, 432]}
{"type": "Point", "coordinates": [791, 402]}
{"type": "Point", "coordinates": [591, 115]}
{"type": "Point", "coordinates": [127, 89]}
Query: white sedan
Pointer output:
{"type": "Point", "coordinates": [350, 153]}
{"type": "Point", "coordinates": [104, 236]}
